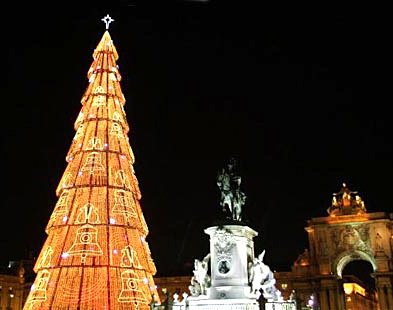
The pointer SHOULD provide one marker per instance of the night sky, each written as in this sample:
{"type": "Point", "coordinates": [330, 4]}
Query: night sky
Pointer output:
{"type": "Point", "coordinates": [300, 97]}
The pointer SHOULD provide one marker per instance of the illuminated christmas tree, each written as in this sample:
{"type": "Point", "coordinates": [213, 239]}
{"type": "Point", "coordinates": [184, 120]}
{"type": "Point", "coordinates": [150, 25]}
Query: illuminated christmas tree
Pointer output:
{"type": "Point", "coordinates": [96, 255]}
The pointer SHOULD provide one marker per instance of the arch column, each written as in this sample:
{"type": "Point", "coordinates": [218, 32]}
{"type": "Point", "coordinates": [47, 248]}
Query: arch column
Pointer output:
{"type": "Point", "coordinates": [390, 297]}
{"type": "Point", "coordinates": [331, 294]}
{"type": "Point", "coordinates": [383, 284]}
{"type": "Point", "coordinates": [323, 299]}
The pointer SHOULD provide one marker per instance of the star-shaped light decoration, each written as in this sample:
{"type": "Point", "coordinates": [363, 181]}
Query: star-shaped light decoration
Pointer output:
{"type": "Point", "coordinates": [107, 20]}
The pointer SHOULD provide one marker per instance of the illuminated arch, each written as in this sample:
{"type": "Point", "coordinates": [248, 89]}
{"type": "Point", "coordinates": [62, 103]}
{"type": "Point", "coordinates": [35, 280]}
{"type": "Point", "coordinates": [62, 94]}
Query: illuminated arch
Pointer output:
{"type": "Point", "coordinates": [347, 257]}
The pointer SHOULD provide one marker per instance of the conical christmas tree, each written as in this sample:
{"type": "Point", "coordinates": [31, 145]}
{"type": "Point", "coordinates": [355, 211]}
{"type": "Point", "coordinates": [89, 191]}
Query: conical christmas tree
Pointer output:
{"type": "Point", "coordinates": [96, 255]}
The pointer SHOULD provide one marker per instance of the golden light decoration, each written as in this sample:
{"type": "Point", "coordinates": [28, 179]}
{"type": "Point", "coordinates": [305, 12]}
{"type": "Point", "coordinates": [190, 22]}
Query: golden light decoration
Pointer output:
{"type": "Point", "coordinates": [96, 255]}
{"type": "Point", "coordinates": [350, 288]}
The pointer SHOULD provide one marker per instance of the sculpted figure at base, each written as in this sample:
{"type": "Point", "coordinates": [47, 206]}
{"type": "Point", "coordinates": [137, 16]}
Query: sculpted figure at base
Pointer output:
{"type": "Point", "coordinates": [201, 280]}
{"type": "Point", "coordinates": [262, 280]}
{"type": "Point", "coordinates": [232, 198]}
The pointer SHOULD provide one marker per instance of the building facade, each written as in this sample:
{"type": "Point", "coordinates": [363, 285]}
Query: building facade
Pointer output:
{"type": "Point", "coordinates": [15, 283]}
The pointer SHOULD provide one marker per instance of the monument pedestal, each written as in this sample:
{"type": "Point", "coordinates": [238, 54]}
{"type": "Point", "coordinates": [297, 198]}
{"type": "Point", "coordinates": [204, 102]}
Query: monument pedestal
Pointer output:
{"type": "Point", "coordinates": [222, 304]}
{"type": "Point", "coordinates": [231, 250]}
{"type": "Point", "coordinates": [231, 256]}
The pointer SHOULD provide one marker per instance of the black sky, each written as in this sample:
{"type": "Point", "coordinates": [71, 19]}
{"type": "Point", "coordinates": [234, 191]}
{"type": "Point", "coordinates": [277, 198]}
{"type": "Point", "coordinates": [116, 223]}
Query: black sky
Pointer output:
{"type": "Point", "coordinates": [300, 96]}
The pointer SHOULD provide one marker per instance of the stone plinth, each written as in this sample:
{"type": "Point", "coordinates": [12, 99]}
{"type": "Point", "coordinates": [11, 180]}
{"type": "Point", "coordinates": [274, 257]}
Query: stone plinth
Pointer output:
{"type": "Point", "coordinates": [231, 249]}
{"type": "Point", "coordinates": [222, 304]}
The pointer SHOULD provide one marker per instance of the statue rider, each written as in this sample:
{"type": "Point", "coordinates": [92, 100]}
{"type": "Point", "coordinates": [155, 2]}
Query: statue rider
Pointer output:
{"type": "Point", "coordinates": [232, 198]}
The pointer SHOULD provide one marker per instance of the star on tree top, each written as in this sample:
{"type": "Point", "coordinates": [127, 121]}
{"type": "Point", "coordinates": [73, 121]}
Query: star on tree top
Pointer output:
{"type": "Point", "coordinates": [107, 20]}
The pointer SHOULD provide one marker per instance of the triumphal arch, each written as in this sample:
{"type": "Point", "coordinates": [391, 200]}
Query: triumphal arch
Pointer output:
{"type": "Point", "coordinates": [347, 234]}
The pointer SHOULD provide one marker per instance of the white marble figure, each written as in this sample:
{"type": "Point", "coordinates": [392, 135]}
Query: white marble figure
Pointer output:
{"type": "Point", "coordinates": [194, 288]}
{"type": "Point", "coordinates": [256, 276]}
{"type": "Point", "coordinates": [201, 280]}
{"type": "Point", "coordinates": [262, 279]}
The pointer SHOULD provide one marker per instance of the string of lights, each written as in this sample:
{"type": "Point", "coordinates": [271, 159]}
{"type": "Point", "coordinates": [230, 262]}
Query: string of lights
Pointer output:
{"type": "Point", "coordinates": [96, 255]}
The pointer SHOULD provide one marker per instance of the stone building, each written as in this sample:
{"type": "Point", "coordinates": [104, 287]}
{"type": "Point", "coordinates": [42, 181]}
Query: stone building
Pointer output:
{"type": "Point", "coordinates": [15, 283]}
{"type": "Point", "coordinates": [168, 286]}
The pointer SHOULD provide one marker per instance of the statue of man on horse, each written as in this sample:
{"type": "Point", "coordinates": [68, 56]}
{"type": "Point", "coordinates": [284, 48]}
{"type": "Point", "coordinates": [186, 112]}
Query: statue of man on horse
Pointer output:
{"type": "Point", "coordinates": [232, 198]}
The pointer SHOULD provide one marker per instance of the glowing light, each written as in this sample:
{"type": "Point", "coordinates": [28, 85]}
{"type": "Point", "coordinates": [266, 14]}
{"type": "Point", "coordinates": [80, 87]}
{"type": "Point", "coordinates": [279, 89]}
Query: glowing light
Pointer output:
{"type": "Point", "coordinates": [101, 265]}
{"type": "Point", "coordinates": [65, 255]}
{"type": "Point", "coordinates": [94, 144]}
{"type": "Point", "coordinates": [350, 288]}
{"type": "Point", "coordinates": [311, 301]}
